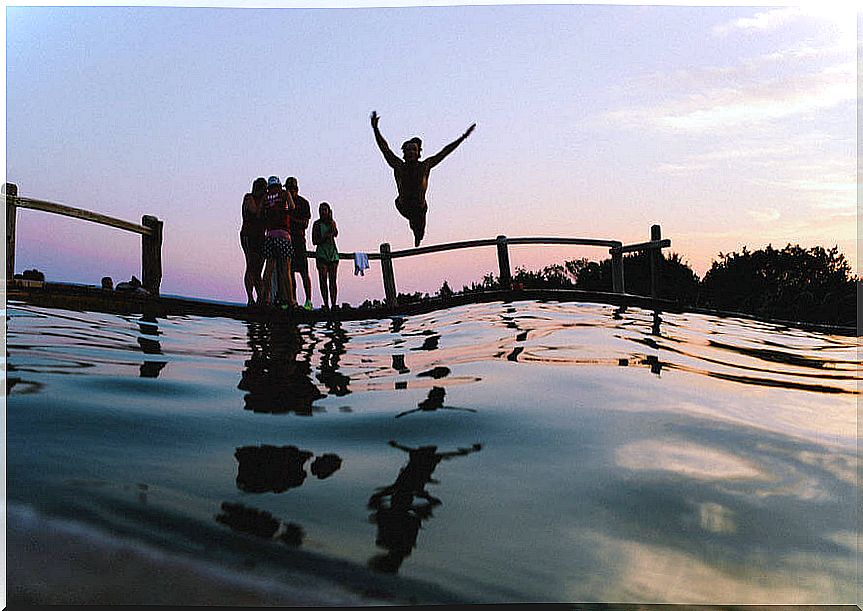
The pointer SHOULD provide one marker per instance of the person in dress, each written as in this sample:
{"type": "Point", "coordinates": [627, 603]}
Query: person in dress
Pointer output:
{"type": "Point", "coordinates": [324, 232]}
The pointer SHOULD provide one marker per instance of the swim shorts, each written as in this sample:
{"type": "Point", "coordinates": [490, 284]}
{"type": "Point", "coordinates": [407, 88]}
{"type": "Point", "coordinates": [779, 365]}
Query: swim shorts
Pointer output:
{"type": "Point", "coordinates": [277, 248]}
{"type": "Point", "coordinates": [252, 244]}
{"type": "Point", "coordinates": [299, 259]}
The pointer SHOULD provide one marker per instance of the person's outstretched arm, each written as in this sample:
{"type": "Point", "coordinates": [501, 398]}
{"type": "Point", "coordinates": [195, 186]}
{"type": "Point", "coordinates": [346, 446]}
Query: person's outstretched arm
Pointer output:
{"type": "Point", "coordinates": [389, 156]}
{"type": "Point", "coordinates": [449, 148]}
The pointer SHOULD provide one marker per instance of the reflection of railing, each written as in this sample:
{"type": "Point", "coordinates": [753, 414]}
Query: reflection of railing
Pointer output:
{"type": "Point", "coordinates": [616, 250]}
{"type": "Point", "coordinates": [150, 230]}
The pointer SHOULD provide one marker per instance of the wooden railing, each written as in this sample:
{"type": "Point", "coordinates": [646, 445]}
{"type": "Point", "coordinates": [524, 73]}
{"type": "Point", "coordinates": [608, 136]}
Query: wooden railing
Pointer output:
{"type": "Point", "coordinates": [150, 230]}
{"type": "Point", "coordinates": [616, 250]}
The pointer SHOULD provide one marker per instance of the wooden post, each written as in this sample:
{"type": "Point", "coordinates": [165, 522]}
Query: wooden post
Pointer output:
{"type": "Point", "coordinates": [503, 263]}
{"type": "Point", "coordinates": [618, 285]}
{"type": "Point", "coordinates": [11, 190]}
{"type": "Point", "coordinates": [389, 276]}
{"type": "Point", "coordinates": [655, 261]}
{"type": "Point", "coordinates": [151, 255]}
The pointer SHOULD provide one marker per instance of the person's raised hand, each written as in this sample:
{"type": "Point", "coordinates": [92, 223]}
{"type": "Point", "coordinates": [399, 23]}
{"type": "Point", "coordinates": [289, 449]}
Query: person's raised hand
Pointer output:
{"type": "Point", "coordinates": [469, 130]}
{"type": "Point", "coordinates": [375, 118]}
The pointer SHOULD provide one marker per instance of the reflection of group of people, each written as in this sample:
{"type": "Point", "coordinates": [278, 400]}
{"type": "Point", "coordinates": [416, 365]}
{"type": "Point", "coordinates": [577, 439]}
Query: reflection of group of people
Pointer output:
{"type": "Point", "coordinates": [273, 237]}
{"type": "Point", "coordinates": [275, 220]}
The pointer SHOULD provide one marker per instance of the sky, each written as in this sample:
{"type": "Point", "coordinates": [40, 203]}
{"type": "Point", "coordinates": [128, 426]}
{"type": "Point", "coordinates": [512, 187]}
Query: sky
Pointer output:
{"type": "Point", "coordinates": [728, 126]}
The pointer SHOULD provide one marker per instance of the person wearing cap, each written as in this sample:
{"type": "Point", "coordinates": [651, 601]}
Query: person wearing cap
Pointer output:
{"type": "Point", "coordinates": [252, 239]}
{"type": "Point", "coordinates": [300, 216]}
{"type": "Point", "coordinates": [277, 205]}
{"type": "Point", "coordinates": [412, 176]}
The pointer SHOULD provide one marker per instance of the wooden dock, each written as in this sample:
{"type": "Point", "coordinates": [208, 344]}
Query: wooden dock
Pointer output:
{"type": "Point", "coordinates": [96, 299]}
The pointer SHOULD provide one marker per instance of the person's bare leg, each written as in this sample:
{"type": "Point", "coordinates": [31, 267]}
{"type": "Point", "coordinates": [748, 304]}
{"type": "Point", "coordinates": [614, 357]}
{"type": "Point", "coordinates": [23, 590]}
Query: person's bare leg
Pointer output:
{"type": "Point", "coordinates": [268, 281]}
{"type": "Point", "coordinates": [322, 281]}
{"type": "Point", "coordinates": [256, 269]}
{"type": "Point", "coordinates": [248, 279]}
{"type": "Point", "coordinates": [285, 280]}
{"type": "Point", "coordinates": [334, 290]}
{"type": "Point", "coordinates": [307, 284]}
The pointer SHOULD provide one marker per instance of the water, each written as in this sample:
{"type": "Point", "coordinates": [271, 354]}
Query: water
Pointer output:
{"type": "Point", "coordinates": [498, 452]}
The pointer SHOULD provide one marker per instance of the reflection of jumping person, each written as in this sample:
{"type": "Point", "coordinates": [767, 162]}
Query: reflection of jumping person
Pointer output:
{"type": "Point", "coordinates": [399, 521]}
{"type": "Point", "coordinates": [412, 176]}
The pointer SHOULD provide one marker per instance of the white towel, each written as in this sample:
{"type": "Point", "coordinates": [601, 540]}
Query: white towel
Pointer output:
{"type": "Point", "coordinates": [361, 263]}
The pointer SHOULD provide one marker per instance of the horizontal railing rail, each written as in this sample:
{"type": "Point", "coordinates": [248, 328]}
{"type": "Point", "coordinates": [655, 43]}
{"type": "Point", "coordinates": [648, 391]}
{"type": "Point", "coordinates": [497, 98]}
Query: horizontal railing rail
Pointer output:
{"type": "Point", "coordinates": [78, 213]}
{"type": "Point", "coordinates": [150, 231]}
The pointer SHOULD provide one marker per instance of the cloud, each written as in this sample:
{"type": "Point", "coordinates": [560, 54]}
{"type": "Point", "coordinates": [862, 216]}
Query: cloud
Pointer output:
{"type": "Point", "coordinates": [768, 20]}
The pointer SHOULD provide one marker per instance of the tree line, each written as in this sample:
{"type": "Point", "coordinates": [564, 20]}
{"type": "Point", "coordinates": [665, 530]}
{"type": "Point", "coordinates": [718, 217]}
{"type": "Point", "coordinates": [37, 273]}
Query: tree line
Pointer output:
{"type": "Point", "coordinates": [793, 283]}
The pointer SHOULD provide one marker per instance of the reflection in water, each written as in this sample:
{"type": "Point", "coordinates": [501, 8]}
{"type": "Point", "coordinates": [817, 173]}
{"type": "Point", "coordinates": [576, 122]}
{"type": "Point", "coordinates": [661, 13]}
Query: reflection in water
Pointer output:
{"type": "Point", "coordinates": [437, 373]}
{"type": "Point", "coordinates": [148, 325]}
{"type": "Point", "coordinates": [399, 520]}
{"type": "Point", "coordinates": [693, 486]}
{"type": "Point", "coordinates": [325, 465]}
{"type": "Point", "coordinates": [260, 524]}
{"type": "Point", "coordinates": [275, 381]}
{"type": "Point", "coordinates": [399, 363]}
{"type": "Point", "coordinates": [331, 354]}
{"type": "Point", "coordinates": [433, 402]}
{"type": "Point", "coordinates": [270, 469]}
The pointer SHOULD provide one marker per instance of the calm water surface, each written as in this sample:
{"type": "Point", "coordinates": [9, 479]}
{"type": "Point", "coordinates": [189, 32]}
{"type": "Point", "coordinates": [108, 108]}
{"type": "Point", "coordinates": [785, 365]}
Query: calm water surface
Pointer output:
{"type": "Point", "coordinates": [498, 452]}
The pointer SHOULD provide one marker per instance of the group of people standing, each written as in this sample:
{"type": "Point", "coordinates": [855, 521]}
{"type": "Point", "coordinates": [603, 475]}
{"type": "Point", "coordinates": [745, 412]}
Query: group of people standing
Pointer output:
{"type": "Point", "coordinates": [273, 238]}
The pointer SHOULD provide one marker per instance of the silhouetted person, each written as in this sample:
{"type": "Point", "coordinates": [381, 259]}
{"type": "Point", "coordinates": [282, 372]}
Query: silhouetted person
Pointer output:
{"type": "Point", "coordinates": [259, 523]}
{"type": "Point", "coordinates": [433, 402]}
{"type": "Point", "coordinates": [399, 521]}
{"type": "Point", "coordinates": [300, 216]}
{"type": "Point", "coordinates": [269, 468]}
{"type": "Point", "coordinates": [412, 175]}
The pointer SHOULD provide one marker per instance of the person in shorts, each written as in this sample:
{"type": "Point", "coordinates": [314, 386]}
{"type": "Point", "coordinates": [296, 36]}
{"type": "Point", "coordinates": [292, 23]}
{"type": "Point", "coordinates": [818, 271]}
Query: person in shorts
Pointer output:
{"type": "Point", "coordinates": [252, 240]}
{"type": "Point", "coordinates": [277, 205]}
{"type": "Point", "coordinates": [300, 216]}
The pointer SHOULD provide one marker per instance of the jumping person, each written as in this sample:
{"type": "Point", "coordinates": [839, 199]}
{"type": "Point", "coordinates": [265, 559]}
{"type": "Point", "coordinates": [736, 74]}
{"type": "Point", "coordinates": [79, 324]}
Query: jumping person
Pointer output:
{"type": "Point", "coordinates": [324, 232]}
{"type": "Point", "coordinates": [300, 216]}
{"type": "Point", "coordinates": [277, 241]}
{"type": "Point", "coordinates": [252, 240]}
{"type": "Point", "coordinates": [412, 176]}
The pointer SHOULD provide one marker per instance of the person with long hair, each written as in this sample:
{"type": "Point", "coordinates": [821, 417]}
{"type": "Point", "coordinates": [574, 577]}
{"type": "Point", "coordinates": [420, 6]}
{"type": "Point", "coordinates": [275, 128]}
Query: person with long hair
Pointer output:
{"type": "Point", "coordinates": [324, 232]}
{"type": "Point", "coordinates": [252, 240]}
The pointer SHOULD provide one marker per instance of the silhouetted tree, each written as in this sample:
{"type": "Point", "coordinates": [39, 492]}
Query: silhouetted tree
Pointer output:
{"type": "Point", "coordinates": [794, 283]}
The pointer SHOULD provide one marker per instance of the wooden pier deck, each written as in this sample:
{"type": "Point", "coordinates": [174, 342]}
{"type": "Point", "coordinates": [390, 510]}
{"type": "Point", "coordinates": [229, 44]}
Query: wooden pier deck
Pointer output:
{"type": "Point", "coordinates": [96, 299]}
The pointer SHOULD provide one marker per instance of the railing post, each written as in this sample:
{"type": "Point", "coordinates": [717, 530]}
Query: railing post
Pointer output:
{"type": "Point", "coordinates": [151, 255]}
{"type": "Point", "coordinates": [389, 276]}
{"type": "Point", "coordinates": [503, 263]}
{"type": "Point", "coordinates": [617, 282]}
{"type": "Point", "coordinates": [11, 190]}
{"type": "Point", "coordinates": [655, 261]}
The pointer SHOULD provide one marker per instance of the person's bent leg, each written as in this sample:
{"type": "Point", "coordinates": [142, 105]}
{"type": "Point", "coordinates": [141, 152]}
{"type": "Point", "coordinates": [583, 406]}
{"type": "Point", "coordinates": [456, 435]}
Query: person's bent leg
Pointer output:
{"type": "Point", "coordinates": [418, 226]}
